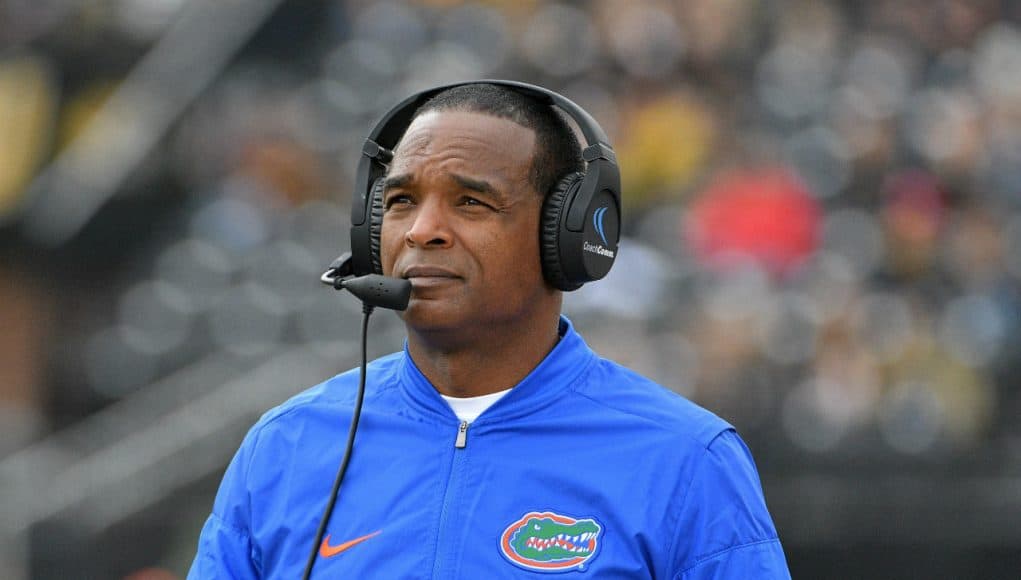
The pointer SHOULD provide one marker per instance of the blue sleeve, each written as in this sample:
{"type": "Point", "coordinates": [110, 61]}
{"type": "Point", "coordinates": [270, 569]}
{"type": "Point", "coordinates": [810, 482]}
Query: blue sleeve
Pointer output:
{"type": "Point", "coordinates": [225, 547]}
{"type": "Point", "coordinates": [223, 553]}
{"type": "Point", "coordinates": [724, 531]}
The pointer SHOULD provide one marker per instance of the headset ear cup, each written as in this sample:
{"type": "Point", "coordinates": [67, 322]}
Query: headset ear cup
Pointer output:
{"type": "Point", "coordinates": [376, 224]}
{"type": "Point", "coordinates": [549, 237]}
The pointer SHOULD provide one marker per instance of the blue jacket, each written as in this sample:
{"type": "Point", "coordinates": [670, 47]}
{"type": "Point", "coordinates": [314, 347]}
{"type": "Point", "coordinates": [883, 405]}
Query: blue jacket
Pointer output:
{"type": "Point", "coordinates": [584, 468]}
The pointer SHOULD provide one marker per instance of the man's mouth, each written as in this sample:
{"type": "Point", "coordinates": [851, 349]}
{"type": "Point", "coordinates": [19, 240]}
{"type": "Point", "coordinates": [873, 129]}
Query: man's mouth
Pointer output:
{"type": "Point", "coordinates": [421, 276]}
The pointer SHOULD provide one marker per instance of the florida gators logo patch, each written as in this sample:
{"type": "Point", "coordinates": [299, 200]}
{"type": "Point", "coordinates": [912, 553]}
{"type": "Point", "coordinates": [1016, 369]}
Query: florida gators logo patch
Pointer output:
{"type": "Point", "coordinates": [550, 542]}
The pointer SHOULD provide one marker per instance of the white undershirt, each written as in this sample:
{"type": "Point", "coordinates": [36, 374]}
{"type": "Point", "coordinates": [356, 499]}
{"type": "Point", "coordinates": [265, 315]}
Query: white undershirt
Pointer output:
{"type": "Point", "coordinates": [469, 408]}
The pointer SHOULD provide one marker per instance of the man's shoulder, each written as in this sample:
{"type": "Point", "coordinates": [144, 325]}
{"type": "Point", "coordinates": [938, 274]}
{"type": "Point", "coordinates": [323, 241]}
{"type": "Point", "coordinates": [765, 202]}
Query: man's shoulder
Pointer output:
{"type": "Point", "coordinates": [626, 391]}
{"type": "Point", "coordinates": [335, 394]}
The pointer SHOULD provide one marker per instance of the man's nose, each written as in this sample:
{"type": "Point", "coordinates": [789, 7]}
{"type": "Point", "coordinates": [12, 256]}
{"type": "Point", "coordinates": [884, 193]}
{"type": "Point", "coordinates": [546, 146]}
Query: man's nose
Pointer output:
{"type": "Point", "coordinates": [431, 227]}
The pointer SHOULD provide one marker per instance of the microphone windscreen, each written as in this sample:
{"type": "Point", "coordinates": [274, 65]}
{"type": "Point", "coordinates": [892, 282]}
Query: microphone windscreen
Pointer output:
{"type": "Point", "coordinates": [381, 291]}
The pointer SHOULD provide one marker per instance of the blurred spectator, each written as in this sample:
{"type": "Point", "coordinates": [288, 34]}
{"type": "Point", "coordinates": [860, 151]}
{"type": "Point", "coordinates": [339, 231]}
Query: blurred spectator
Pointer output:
{"type": "Point", "coordinates": [765, 215]}
{"type": "Point", "coordinates": [27, 109]}
{"type": "Point", "coordinates": [666, 142]}
{"type": "Point", "coordinates": [27, 317]}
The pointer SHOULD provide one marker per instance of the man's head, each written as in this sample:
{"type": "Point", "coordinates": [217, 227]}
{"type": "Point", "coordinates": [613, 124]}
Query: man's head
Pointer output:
{"type": "Point", "coordinates": [462, 207]}
{"type": "Point", "coordinates": [557, 152]}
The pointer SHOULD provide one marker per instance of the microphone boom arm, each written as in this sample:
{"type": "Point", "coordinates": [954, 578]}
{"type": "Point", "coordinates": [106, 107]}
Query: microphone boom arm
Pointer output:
{"type": "Point", "coordinates": [372, 289]}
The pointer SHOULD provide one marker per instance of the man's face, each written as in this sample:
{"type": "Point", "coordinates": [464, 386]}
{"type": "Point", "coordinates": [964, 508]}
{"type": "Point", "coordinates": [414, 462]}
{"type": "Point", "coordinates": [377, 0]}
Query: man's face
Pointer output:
{"type": "Point", "coordinates": [461, 222]}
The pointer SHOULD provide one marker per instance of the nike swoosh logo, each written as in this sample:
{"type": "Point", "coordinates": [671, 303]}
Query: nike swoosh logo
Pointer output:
{"type": "Point", "coordinates": [328, 551]}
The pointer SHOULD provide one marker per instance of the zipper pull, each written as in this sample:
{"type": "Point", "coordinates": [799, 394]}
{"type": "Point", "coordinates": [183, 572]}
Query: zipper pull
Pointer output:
{"type": "Point", "coordinates": [462, 436]}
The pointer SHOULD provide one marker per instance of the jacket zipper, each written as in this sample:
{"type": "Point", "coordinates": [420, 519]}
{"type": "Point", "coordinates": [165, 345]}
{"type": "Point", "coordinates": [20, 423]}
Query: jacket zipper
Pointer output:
{"type": "Point", "coordinates": [450, 499]}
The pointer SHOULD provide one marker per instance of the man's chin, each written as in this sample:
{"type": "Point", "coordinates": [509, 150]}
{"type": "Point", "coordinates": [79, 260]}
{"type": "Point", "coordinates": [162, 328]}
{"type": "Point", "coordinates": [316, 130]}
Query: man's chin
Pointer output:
{"type": "Point", "coordinates": [430, 316]}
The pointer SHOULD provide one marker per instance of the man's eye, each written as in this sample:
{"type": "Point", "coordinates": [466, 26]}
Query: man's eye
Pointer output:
{"type": "Point", "coordinates": [396, 199]}
{"type": "Point", "coordinates": [472, 202]}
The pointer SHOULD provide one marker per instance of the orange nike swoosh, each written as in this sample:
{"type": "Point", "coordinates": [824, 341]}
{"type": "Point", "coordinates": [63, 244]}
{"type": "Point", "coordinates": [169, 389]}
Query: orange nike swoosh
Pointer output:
{"type": "Point", "coordinates": [328, 551]}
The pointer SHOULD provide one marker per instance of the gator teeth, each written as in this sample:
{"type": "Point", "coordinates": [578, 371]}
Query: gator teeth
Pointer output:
{"type": "Point", "coordinates": [572, 544]}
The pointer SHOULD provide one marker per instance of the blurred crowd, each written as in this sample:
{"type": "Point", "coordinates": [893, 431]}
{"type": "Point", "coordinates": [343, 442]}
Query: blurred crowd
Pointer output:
{"type": "Point", "coordinates": [821, 201]}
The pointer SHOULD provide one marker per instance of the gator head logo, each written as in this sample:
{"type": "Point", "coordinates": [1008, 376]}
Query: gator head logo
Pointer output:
{"type": "Point", "coordinates": [549, 542]}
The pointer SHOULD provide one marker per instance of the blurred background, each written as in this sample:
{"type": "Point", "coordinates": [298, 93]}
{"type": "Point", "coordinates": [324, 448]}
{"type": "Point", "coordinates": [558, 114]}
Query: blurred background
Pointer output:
{"type": "Point", "coordinates": [822, 218]}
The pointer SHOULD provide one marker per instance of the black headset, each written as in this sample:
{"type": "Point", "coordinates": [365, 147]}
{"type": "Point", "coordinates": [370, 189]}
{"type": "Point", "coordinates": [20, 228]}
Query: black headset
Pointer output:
{"type": "Point", "coordinates": [580, 217]}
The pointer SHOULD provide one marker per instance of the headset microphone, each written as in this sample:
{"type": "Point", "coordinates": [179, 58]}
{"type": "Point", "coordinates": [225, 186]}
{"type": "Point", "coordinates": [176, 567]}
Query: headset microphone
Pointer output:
{"type": "Point", "coordinates": [372, 289]}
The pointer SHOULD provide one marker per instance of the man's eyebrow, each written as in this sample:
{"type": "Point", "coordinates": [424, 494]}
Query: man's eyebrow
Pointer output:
{"type": "Point", "coordinates": [396, 181]}
{"type": "Point", "coordinates": [478, 185]}
{"type": "Point", "coordinates": [470, 183]}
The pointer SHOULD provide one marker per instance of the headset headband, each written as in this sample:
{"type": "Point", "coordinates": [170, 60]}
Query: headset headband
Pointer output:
{"type": "Point", "coordinates": [390, 128]}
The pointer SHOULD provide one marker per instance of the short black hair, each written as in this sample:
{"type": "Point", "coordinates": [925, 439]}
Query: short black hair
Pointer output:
{"type": "Point", "coordinates": [557, 151]}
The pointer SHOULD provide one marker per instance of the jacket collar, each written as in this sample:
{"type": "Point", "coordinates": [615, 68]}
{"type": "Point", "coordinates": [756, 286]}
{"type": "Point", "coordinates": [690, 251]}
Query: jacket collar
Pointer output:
{"type": "Point", "coordinates": [565, 363]}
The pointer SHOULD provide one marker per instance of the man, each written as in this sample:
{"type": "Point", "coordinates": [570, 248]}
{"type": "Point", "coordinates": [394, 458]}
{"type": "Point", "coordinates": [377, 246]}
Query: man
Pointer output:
{"type": "Point", "coordinates": [497, 445]}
